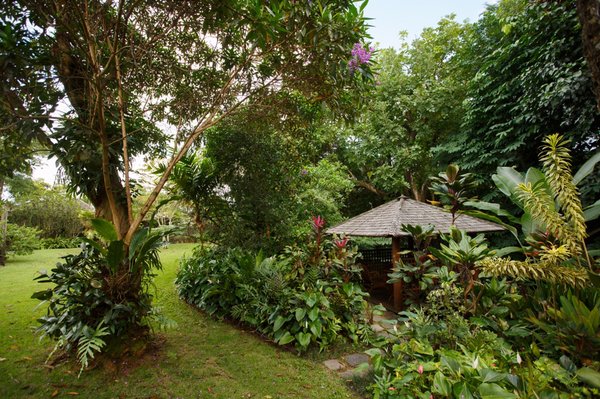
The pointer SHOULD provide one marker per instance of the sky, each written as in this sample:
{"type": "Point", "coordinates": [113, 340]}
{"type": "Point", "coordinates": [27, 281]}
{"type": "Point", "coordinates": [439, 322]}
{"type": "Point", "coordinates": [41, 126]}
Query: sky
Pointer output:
{"type": "Point", "coordinates": [388, 18]}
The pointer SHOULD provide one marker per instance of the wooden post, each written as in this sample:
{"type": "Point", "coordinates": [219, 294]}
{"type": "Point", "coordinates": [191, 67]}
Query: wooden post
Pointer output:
{"type": "Point", "coordinates": [398, 285]}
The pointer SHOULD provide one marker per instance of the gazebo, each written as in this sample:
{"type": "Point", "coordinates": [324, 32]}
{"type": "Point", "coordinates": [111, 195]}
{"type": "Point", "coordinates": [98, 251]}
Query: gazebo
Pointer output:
{"type": "Point", "coordinates": [386, 221]}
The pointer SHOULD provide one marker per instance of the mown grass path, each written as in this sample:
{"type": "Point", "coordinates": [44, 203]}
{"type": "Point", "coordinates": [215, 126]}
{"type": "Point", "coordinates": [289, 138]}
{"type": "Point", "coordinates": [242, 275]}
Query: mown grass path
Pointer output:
{"type": "Point", "coordinates": [201, 358]}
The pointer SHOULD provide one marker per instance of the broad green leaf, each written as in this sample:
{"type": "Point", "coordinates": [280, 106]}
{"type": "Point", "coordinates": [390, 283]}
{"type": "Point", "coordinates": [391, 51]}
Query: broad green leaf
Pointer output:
{"type": "Point", "coordinates": [489, 375]}
{"type": "Point", "coordinates": [42, 295]}
{"type": "Point", "coordinates": [592, 212]}
{"type": "Point", "coordinates": [313, 314]}
{"type": "Point", "coordinates": [589, 376]}
{"type": "Point", "coordinates": [285, 338]}
{"type": "Point", "coordinates": [105, 229]}
{"type": "Point", "coordinates": [441, 384]}
{"type": "Point", "coordinates": [495, 391]}
{"type": "Point", "coordinates": [462, 391]}
{"type": "Point", "coordinates": [507, 179]}
{"type": "Point", "coordinates": [115, 254]}
{"type": "Point", "coordinates": [278, 323]}
{"type": "Point", "coordinates": [303, 339]}
{"type": "Point", "coordinates": [137, 239]}
{"type": "Point", "coordinates": [300, 313]}
{"type": "Point", "coordinates": [586, 168]}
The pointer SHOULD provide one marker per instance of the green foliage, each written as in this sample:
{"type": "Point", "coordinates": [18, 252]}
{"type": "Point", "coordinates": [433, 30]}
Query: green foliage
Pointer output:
{"type": "Point", "coordinates": [551, 202]}
{"type": "Point", "coordinates": [20, 240]}
{"type": "Point", "coordinates": [305, 297]}
{"type": "Point", "coordinates": [417, 276]}
{"type": "Point", "coordinates": [531, 79]}
{"type": "Point", "coordinates": [416, 106]}
{"type": "Point", "coordinates": [572, 327]}
{"type": "Point", "coordinates": [438, 352]}
{"type": "Point", "coordinates": [87, 302]}
{"type": "Point", "coordinates": [549, 272]}
{"type": "Point", "coordinates": [51, 210]}
{"type": "Point", "coordinates": [452, 187]}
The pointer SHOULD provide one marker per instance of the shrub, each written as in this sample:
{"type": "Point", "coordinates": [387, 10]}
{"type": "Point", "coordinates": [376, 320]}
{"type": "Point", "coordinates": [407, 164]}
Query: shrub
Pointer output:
{"type": "Point", "coordinates": [21, 240]}
{"type": "Point", "coordinates": [306, 296]}
{"type": "Point", "coordinates": [86, 312]}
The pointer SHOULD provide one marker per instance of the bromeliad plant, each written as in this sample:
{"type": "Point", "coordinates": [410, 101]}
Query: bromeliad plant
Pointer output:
{"type": "Point", "coordinates": [84, 305]}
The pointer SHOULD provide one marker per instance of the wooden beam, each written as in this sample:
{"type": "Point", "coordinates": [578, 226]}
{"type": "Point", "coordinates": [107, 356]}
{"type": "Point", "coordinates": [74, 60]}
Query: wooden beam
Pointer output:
{"type": "Point", "coordinates": [397, 286]}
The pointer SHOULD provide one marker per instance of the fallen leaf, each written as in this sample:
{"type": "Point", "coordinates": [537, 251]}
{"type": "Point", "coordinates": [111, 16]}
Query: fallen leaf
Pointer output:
{"type": "Point", "coordinates": [73, 393]}
{"type": "Point", "coordinates": [54, 394]}
{"type": "Point", "coordinates": [2, 359]}
{"type": "Point", "coordinates": [26, 358]}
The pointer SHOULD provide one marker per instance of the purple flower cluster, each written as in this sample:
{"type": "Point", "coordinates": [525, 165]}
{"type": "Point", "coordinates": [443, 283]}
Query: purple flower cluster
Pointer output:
{"type": "Point", "coordinates": [360, 56]}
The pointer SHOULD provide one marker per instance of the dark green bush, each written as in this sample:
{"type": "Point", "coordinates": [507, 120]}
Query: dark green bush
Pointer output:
{"type": "Point", "coordinates": [305, 297]}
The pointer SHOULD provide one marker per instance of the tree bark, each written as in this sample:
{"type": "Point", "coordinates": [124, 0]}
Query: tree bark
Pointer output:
{"type": "Point", "coordinates": [589, 16]}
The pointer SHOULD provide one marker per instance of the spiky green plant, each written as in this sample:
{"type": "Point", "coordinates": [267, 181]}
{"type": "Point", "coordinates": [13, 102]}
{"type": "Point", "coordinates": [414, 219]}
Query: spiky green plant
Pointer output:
{"type": "Point", "coordinates": [553, 203]}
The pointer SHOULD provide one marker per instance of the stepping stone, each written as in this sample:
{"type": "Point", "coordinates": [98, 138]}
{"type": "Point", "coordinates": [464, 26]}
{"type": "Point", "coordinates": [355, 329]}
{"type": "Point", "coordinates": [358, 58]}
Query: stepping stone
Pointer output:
{"type": "Point", "coordinates": [333, 364]}
{"type": "Point", "coordinates": [356, 358]}
{"type": "Point", "coordinates": [385, 334]}
{"type": "Point", "coordinates": [352, 373]}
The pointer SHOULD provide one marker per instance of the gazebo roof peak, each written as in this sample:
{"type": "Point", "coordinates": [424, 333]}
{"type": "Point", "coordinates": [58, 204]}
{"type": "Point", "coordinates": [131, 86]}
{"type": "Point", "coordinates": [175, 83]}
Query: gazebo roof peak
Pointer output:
{"type": "Point", "coordinates": [386, 220]}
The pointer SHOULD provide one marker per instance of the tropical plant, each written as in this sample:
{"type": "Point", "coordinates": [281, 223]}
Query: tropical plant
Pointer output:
{"type": "Point", "coordinates": [451, 187]}
{"type": "Point", "coordinates": [530, 78]}
{"type": "Point", "coordinates": [572, 327]}
{"type": "Point", "coordinates": [460, 252]}
{"type": "Point", "coordinates": [418, 274]}
{"type": "Point", "coordinates": [552, 202]}
{"type": "Point", "coordinates": [307, 296]}
{"type": "Point", "coordinates": [82, 304]}
{"type": "Point", "coordinates": [130, 73]}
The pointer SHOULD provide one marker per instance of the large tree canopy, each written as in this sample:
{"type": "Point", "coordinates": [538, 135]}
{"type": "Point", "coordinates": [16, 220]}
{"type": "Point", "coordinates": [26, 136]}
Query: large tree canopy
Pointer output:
{"type": "Point", "coordinates": [532, 80]}
{"type": "Point", "coordinates": [95, 80]}
{"type": "Point", "coordinates": [417, 105]}
{"type": "Point", "coordinates": [98, 82]}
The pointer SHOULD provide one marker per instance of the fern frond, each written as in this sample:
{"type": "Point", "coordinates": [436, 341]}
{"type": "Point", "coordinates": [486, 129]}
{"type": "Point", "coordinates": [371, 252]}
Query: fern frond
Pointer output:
{"type": "Point", "coordinates": [539, 204]}
{"type": "Point", "coordinates": [536, 271]}
{"type": "Point", "coordinates": [88, 344]}
{"type": "Point", "coordinates": [556, 159]}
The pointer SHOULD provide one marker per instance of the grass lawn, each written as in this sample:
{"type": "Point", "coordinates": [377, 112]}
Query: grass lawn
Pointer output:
{"type": "Point", "coordinates": [201, 358]}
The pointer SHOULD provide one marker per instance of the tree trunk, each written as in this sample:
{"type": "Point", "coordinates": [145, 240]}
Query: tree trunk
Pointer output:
{"type": "Point", "coordinates": [589, 16]}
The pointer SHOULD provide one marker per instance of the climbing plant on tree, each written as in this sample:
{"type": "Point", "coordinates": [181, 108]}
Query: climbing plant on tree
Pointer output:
{"type": "Point", "coordinates": [106, 74]}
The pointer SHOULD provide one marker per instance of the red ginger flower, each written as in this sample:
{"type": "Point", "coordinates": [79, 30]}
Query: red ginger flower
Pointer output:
{"type": "Point", "coordinates": [341, 244]}
{"type": "Point", "coordinates": [318, 222]}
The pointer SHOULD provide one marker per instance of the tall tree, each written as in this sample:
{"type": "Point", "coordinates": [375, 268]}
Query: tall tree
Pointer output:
{"type": "Point", "coordinates": [532, 80]}
{"type": "Point", "coordinates": [416, 105]}
{"type": "Point", "coordinates": [106, 74]}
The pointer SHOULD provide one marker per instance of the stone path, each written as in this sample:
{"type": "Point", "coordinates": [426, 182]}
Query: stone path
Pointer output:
{"type": "Point", "coordinates": [357, 364]}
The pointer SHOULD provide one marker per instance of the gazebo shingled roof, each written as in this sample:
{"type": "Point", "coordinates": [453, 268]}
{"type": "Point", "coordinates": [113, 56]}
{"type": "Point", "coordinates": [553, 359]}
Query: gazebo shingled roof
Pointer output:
{"type": "Point", "coordinates": [386, 220]}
